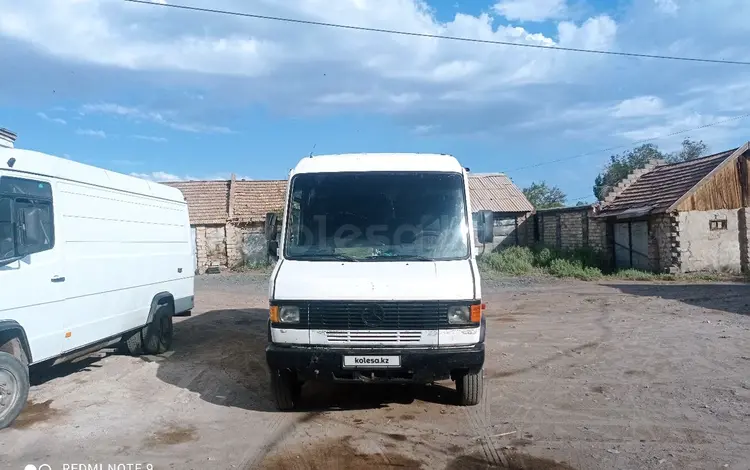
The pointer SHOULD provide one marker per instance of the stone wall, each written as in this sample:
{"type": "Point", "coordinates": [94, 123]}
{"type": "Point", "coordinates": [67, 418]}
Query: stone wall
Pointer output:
{"type": "Point", "coordinates": [211, 246]}
{"type": "Point", "coordinates": [660, 243]}
{"type": "Point", "coordinates": [704, 249]}
{"type": "Point", "coordinates": [743, 217]}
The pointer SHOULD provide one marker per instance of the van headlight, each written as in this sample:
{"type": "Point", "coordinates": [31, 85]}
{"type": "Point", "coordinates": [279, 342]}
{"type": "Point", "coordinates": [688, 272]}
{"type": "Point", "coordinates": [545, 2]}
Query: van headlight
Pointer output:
{"type": "Point", "coordinates": [289, 314]}
{"type": "Point", "coordinates": [459, 314]}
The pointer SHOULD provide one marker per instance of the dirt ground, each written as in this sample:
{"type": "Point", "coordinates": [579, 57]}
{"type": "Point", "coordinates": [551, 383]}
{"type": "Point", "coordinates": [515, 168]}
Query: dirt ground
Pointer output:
{"type": "Point", "coordinates": [578, 376]}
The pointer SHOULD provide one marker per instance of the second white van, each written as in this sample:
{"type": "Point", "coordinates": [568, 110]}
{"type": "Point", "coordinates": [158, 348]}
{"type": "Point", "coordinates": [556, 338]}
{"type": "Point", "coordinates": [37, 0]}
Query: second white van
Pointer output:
{"type": "Point", "coordinates": [89, 258]}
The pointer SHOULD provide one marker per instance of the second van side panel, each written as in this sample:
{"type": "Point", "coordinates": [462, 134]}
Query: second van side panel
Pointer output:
{"type": "Point", "coordinates": [121, 249]}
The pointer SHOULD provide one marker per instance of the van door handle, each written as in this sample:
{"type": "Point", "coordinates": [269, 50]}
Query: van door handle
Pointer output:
{"type": "Point", "coordinates": [58, 279]}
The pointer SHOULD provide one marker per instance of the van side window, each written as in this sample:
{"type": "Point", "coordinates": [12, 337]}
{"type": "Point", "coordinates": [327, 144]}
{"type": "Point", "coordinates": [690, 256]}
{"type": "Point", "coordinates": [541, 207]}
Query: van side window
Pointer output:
{"type": "Point", "coordinates": [7, 237]}
{"type": "Point", "coordinates": [26, 217]}
{"type": "Point", "coordinates": [34, 226]}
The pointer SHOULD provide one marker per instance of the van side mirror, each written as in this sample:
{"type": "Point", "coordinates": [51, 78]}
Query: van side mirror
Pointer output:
{"type": "Point", "coordinates": [485, 226]}
{"type": "Point", "coordinates": [272, 244]}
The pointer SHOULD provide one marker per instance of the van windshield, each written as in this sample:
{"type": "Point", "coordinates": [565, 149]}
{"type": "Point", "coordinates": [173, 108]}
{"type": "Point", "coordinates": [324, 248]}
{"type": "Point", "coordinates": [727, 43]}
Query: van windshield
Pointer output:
{"type": "Point", "coordinates": [377, 216]}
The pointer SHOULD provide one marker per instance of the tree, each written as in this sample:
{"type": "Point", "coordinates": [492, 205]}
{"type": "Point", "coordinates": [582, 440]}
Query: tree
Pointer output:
{"type": "Point", "coordinates": [620, 166]}
{"type": "Point", "coordinates": [542, 196]}
{"type": "Point", "coordinates": [691, 149]}
{"type": "Point", "coordinates": [581, 203]}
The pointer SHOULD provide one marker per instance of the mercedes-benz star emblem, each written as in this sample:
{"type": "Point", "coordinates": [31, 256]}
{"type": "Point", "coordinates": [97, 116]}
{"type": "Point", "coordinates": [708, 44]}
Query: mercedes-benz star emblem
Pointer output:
{"type": "Point", "coordinates": [373, 315]}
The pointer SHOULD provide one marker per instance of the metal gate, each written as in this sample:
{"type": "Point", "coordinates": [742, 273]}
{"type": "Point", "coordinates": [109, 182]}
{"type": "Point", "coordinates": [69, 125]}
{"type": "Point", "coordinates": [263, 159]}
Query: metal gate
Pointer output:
{"type": "Point", "coordinates": [631, 245]}
{"type": "Point", "coordinates": [194, 246]}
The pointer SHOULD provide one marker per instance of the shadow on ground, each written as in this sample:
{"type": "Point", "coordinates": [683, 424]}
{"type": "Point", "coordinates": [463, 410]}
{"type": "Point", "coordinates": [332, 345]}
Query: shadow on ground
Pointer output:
{"type": "Point", "coordinates": [221, 356]}
{"type": "Point", "coordinates": [42, 373]}
{"type": "Point", "coordinates": [732, 298]}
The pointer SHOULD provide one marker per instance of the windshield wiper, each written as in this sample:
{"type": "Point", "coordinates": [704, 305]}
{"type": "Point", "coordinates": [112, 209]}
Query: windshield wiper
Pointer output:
{"type": "Point", "coordinates": [329, 256]}
{"type": "Point", "coordinates": [401, 257]}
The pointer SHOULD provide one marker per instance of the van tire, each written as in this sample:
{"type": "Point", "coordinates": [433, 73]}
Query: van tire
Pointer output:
{"type": "Point", "coordinates": [132, 344]}
{"type": "Point", "coordinates": [157, 335]}
{"type": "Point", "coordinates": [14, 388]}
{"type": "Point", "coordinates": [285, 388]}
{"type": "Point", "coordinates": [469, 387]}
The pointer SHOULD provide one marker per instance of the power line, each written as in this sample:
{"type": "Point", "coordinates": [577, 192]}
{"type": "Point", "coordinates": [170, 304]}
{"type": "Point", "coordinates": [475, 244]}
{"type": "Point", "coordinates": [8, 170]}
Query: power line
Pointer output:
{"type": "Point", "coordinates": [631, 144]}
{"type": "Point", "coordinates": [436, 36]}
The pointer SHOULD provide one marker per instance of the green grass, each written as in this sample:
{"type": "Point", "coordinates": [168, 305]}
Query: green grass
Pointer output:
{"type": "Point", "coordinates": [580, 264]}
{"type": "Point", "coordinates": [583, 263]}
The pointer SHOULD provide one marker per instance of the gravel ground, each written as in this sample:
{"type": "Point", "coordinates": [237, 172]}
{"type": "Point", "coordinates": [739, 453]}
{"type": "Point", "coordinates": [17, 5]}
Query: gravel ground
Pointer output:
{"type": "Point", "coordinates": [578, 376]}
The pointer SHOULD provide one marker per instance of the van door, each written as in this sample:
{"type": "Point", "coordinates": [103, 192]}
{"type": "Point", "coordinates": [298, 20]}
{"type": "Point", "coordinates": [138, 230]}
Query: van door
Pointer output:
{"type": "Point", "coordinates": [31, 280]}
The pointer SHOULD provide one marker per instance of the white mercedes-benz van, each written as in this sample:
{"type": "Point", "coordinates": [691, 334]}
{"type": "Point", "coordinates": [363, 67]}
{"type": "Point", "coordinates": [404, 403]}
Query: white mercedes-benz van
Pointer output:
{"type": "Point", "coordinates": [376, 278]}
{"type": "Point", "coordinates": [89, 258]}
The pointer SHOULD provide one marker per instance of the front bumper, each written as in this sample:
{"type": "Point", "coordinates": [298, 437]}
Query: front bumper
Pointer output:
{"type": "Point", "coordinates": [417, 365]}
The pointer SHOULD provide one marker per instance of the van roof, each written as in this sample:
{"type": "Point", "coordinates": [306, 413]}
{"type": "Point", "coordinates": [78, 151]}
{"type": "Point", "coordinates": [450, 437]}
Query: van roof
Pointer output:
{"type": "Point", "coordinates": [31, 163]}
{"type": "Point", "coordinates": [378, 162]}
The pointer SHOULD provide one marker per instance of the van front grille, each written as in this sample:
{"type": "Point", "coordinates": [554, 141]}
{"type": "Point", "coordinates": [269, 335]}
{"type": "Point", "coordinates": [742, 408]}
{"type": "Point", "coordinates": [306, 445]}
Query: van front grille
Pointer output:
{"type": "Point", "coordinates": [362, 315]}
{"type": "Point", "coordinates": [368, 337]}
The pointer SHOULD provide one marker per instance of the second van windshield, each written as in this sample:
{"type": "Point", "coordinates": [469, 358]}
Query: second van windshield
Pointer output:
{"type": "Point", "coordinates": [377, 216]}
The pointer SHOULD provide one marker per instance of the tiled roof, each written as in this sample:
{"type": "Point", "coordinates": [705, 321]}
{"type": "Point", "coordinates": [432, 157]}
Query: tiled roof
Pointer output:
{"type": "Point", "coordinates": [208, 201]}
{"type": "Point", "coordinates": [253, 199]}
{"type": "Point", "coordinates": [658, 189]}
{"type": "Point", "coordinates": [496, 192]}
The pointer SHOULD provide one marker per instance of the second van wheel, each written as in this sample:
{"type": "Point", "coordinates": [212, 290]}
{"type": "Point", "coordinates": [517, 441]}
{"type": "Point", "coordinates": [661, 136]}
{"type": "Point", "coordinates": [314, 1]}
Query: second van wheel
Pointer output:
{"type": "Point", "coordinates": [157, 336]}
{"type": "Point", "coordinates": [14, 388]}
{"type": "Point", "coordinates": [132, 344]}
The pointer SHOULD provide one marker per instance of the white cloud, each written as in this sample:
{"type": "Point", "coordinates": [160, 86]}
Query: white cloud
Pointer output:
{"type": "Point", "coordinates": [91, 133]}
{"type": "Point", "coordinates": [669, 7]}
{"type": "Point", "coordinates": [165, 118]}
{"type": "Point", "coordinates": [302, 64]}
{"type": "Point", "coordinates": [51, 119]}
{"type": "Point", "coordinates": [638, 107]}
{"type": "Point", "coordinates": [150, 138]}
{"type": "Point", "coordinates": [200, 70]}
{"type": "Point", "coordinates": [531, 10]}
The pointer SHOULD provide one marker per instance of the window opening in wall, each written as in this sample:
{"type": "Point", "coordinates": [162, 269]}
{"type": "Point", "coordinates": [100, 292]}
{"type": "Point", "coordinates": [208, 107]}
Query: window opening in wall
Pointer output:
{"type": "Point", "coordinates": [720, 224]}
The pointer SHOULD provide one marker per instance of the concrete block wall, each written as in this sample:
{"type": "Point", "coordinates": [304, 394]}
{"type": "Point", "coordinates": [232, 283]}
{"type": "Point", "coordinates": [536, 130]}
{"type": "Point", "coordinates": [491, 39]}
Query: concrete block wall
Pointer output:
{"type": "Point", "coordinates": [548, 229]}
{"type": "Point", "coordinates": [598, 235]}
{"type": "Point", "coordinates": [572, 228]}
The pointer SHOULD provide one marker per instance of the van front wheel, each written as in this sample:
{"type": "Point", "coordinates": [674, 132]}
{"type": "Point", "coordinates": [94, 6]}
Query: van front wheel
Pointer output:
{"type": "Point", "coordinates": [285, 388]}
{"type": "Point", "coordinates": [14, 388]}
{"type": "Point", "coordinates": [470, 387]}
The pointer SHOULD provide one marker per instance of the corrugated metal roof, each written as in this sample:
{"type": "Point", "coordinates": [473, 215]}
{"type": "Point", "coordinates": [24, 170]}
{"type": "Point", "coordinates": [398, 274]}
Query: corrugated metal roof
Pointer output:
{"type": "Point", "coordinates": [496, 192]}
{"type": "Point", "coordinates": [665, 184]}
{"type": "Point", "coordinates": [208, 201]}
{"type": "Point", "coordinates": [253, 199]}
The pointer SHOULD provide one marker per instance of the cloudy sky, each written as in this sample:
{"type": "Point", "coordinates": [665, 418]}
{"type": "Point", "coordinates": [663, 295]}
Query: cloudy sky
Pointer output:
{"type": "Point", "coordinates": [171, 94]}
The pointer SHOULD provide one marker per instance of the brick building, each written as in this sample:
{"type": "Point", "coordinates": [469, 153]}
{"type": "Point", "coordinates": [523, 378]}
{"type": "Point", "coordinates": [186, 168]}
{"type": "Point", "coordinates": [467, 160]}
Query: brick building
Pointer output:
{"type": "Point", "coordinates": [680, 217]}
{"type": "Point", "coordinates": [228, 219]}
